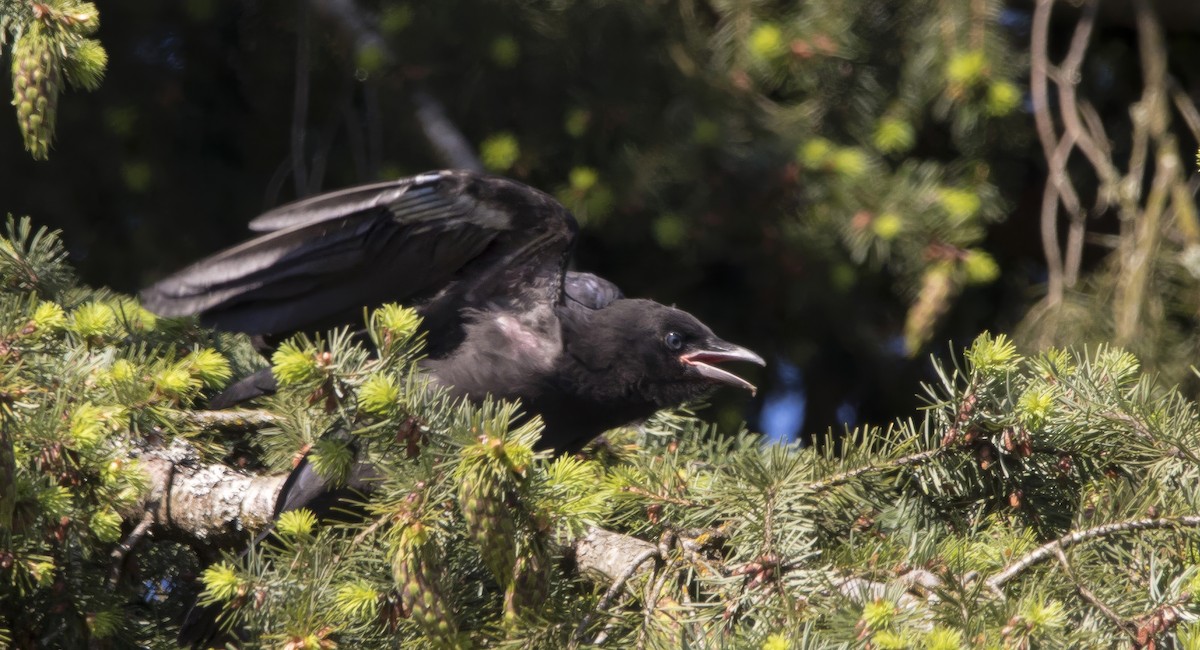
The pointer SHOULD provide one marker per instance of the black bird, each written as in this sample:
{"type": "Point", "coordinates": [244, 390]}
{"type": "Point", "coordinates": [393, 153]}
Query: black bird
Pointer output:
{"type": "Point", "coordinates": [483, 260]}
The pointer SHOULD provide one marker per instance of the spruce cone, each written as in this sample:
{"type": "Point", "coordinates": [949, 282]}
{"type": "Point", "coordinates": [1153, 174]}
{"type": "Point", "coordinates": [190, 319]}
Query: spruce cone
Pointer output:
{"type": "Point", "coordinates": [415, 571]}
{"type": "Point", "coordinates": [530, 583]}
{"type": "Point", "coordinates": [36, 82]}
{"type": "Point", "coordinates": [938, 288]}
{"type": "Point", "coordinates": [490, 522]}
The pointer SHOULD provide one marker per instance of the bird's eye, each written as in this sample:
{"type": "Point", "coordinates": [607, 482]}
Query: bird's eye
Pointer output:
{"type": "Point", "coordinates": [673, 340]}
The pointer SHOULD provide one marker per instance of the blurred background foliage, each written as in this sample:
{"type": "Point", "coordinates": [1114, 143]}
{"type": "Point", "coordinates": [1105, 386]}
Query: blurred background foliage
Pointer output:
{"type": "Point", "coordinates": [842, 185]}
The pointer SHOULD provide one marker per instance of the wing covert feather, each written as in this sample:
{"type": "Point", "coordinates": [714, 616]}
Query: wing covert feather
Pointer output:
{"type": "Point", "coordinates": [422, 240]}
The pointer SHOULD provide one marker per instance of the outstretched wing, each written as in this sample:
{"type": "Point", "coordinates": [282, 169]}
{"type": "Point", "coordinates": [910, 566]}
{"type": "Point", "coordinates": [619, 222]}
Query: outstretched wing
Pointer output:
{"type": "Point", "coordinates": [442, 240]}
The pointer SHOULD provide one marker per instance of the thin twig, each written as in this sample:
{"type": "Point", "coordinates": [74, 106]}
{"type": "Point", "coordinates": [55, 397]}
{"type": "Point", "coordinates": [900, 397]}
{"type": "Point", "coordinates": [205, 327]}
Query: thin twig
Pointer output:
{"type": "Point", "coordinates": [847, 476]}
{"type": "Point", "coordinates": [1049, 549]}
{"type": "Point", "coordinates": [1122, 624]}
{"type": "Point", "coordinates": [131, 540]}
{"type": "Point", "coordinates": [449, 143]}
{"type": "Point", "coordinates": [665, 498]}
{"type": "Point", "coordinates": [603, 636]}
{"type": "Point", "coordinates": [1039, 98]}
{"type": "Point", "coordinates": [613, 590]}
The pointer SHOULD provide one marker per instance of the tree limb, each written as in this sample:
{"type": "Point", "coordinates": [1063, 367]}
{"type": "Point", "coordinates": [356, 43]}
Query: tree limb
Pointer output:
{"type": "Point", "coordinates": [212, 505]}
{"type": "Point", "coordinates": [1051, 549]}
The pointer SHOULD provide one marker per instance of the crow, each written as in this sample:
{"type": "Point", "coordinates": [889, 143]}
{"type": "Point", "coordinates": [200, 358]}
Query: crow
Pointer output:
{"type": "Point", "coordinates": [483, 260]}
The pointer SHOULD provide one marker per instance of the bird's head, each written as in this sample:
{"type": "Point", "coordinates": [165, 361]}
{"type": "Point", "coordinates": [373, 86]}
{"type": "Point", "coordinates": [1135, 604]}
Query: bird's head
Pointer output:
{"type": "Point", "coordinates": [665, 354]}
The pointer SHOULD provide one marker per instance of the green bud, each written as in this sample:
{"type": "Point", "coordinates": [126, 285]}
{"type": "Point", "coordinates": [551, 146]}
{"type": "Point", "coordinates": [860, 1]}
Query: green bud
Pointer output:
{"type": "Point", "coordinates": [583, 179]}
{"type": "Point", "coordinates": [357, 600]}
{"type": "Point", "coordinates": [993, 355]}
{"type": "Point", "coordinates": [499, 152]}
{"type": "Point", "coordinates": [960, 204]}
{"type": "Point", "coordinates": [505, 51]}
{"type": "Point", "coordinates": [1036, 404]}
{"type": "Point", "coordinates": [887, 226]}
{"type": "Point", "coordinates": [94, 320]}
{"type": "Point", "coordinates": [814, 153]}
{"type": "Point", "coordinates": [966, 68]}
{"type": "Point", "coordinates": [670, 231]}
{"type": "Point", "coordinates": [85, 64]}
{"type": "Point", "coordinates": [49, 316]}
{"type": "Point", "coordinates": [894, 135]}
{"type": "Point", "coordinates": [577, 122]}
{"type": "Point", "coordinates": [209, 367]}
{"type": "Point", "coordinates": [90, 425]}
{"type": "Point", "coordinates": [878, 614]}
{"type": "Point", "coordinates": [980, 267]}
{"type": "Point", "coordinates": [395, 18]}
{"type": "Point", "coordinates": [766, 41]}
{"type": "Point", "coordinates": [106, 526]}
{"type": "Point", "coordinates": [944, 638]}
{"type": "Point", "coordinates": [175, 382]}
{"type": "Point", "coordinates": [849, 161]}
{"type": "Point", "coordinates": [1002, 98]}
{"type": "Point", "coordinates": [294, 365]}
{"type": "Point", "coordinates": [296, 523]}
{"type": "Point", "coordinates": [370, 58]}
{"type": "Point", "coordinates": [397, 321]}
{"type": "Point", "coordinates": [122, 371]}
{"type": "Point", "coordinates": [379, 395]}
{"type": "Point", "coordinates": [84, 19]}
{"type": "Point", "coordinates": [221, 583]}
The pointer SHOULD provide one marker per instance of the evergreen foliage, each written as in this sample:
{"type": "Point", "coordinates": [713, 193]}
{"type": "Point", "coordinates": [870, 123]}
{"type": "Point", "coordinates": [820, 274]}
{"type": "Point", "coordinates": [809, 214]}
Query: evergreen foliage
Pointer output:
{"type": "Point", "coordinates": [49, 43]}
{"type": "Point", "coordinates": [1037, 501]}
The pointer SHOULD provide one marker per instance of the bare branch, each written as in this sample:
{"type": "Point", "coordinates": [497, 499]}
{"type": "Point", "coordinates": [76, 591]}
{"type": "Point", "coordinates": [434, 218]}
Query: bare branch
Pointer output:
{"type": "Point", "coordinates": [1051, 549]}
{"type": "Point", "coordinates": [449, 143]}
{"type": "Point", "coordinates": [847, 476]}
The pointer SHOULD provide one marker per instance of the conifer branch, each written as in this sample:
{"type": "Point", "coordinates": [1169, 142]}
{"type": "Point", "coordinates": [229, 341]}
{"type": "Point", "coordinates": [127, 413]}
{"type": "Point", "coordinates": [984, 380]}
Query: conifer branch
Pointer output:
{"type": "Point", "coordinates": [849, 475]}
{"type": "Point", "coordinates": [1049, 549]}
{"type": "Point", "coordinates": [1085, 593]}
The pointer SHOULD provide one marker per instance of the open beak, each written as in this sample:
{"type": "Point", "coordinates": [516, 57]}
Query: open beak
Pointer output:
{"type": "Point", "coordinates": [721, 352]}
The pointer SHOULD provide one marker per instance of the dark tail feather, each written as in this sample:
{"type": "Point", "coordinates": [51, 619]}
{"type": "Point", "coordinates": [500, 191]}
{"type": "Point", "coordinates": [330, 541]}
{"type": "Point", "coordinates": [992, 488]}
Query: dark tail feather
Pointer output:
{"type": "Point", "coordinates": [245, 389]}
